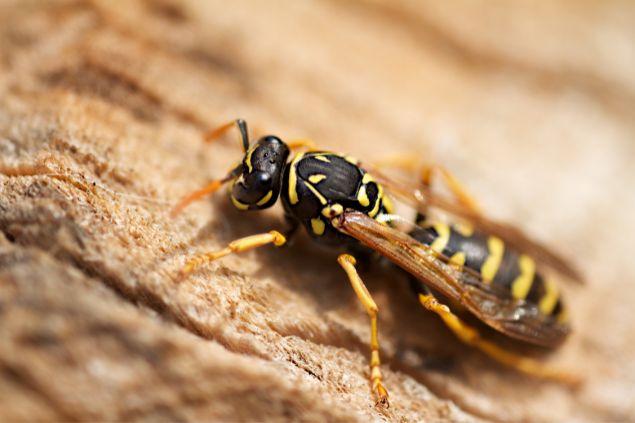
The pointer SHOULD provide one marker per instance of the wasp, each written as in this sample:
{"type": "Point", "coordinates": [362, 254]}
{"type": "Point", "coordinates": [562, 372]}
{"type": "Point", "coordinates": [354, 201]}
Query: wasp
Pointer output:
{"type": "Point", "coordinates": [486, 268]}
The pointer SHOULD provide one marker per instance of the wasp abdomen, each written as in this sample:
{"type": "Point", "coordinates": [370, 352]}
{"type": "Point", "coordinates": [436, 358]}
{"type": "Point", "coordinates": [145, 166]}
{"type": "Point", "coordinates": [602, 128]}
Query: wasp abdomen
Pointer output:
{"type": "Point", "coordinates": [495, 262]}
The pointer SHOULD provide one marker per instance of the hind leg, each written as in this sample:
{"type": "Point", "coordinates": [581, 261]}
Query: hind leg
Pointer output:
{"type": "Point", "coordinates": [453, 184]}
{"type": "Point", "coordinates": [472, 337]}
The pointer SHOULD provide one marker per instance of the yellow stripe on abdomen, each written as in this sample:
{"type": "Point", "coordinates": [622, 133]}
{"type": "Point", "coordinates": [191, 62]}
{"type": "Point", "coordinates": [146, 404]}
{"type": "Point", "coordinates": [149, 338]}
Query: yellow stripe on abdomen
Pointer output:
{"type": "Point", "coordinates": [496, 248]}
{"type": "Point", "coordinates": [548, 301]}
{"type": "Point", "coordinates": [443, 237]}
{"type": "Point", "coordinates": [458, 258]}
{"type": "Point", "coordinates": [522, 284]}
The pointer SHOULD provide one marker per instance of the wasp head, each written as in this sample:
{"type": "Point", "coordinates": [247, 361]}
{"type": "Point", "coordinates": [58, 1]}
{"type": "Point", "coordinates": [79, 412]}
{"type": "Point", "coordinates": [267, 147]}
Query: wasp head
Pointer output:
{"type": "Point", "coordinates": [258, 184]}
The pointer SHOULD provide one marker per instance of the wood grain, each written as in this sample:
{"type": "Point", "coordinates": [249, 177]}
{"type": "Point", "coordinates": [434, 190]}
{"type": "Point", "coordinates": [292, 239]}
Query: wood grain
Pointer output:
{"type": "Point", "coordinates": [102, 107]}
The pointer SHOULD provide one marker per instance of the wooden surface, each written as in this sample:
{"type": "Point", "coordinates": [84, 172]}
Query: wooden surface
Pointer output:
{"type": "Point", "coordinates": [102, 107]}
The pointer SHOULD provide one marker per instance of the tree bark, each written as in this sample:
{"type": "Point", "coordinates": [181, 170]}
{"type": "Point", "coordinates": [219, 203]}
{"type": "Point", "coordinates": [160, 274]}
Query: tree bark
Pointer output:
{"type": "Point", "coordinates": [102, 110]}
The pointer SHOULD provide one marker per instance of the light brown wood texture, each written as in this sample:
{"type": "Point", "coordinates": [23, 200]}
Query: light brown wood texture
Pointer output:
{"type": "Point", "coordinates": [102, 109]}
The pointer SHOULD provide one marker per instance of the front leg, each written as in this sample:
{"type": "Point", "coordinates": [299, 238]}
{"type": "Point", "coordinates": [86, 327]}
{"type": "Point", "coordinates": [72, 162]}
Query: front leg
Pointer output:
{"type": "Point", "coordinates": [236, 246]}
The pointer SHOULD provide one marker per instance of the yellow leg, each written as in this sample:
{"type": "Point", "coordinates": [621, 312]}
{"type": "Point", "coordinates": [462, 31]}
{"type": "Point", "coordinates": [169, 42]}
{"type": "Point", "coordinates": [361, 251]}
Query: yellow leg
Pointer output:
{"type": "Point", "coordinates": [190, 198]}
{"type": "Point", "coordinates": [410, 163]}
{"type": "Point", "coordinates": [348, 264]}
{"type": "Point", "coordinates": [403, 161]}
{"type": "Point", "coordinates": [452, 183]}
{"type": "Point", "coordinates": [215, 185]}
{"type": "Point", "coordinates": [470, 336]}
{"type": "Point", "coordinates": [236, 246]}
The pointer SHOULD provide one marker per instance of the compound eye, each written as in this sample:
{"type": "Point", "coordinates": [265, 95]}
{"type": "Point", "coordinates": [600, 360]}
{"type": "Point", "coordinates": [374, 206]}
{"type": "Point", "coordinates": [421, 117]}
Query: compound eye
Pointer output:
{"type": "Point", "coordinates": [252, 188]}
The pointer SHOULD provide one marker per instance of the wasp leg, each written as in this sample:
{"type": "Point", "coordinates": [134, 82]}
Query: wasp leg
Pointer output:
{"type": "Point", "coordinates": [190, 198]}
{"type": "Point", "coordinates": [236, 246]}
{"type": "Point", "coordinates": [471, 336]}
{"type": "Point", "coordinates": [207, 189]}
{"type": "Point", "coordinates": [452, 183]}
{"type": "Point", "coordinates": [348, 264]}
{"type": "Point", "coordinates": [402, 161]}
{"type": "Point", "coordinates": [216, 184]}
{"type": "Point", "coordinates": [410, 163]}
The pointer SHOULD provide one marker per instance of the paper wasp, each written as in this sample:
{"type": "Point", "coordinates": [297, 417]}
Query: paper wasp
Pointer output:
{"type": "Point", "coordinates": [486, 268]}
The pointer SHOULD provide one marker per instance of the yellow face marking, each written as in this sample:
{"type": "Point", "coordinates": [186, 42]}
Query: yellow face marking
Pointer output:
{"type": "Point", "coordinates": [333, 210]}
{"type": "Point", "coordinates": [458, 258]}
{"type": "Point", "coordinates": [248, 158]}
{"type": "Point", "coordinates": [321, 158]}
{"type": "Point", "coordinates": [314, 179]}
{"type": "Point", "coordinates": [265, 199]}
{"type": "Point", "coordinates": [464, 229]}
{"type": "Point", "coordinates": [238, 204]}
{"type": "Point", "coordinates": [362, 197]}
{"type": "Point", "coordinates": [317, 193]}
{"type": "Point", "coordinates": [317, 226]}
{"type": "Point", "coordinates": [548, 301]}
{"type": "Point", "coordinates": [390, 208]}
{"type": "Point", "coordinates": [493, 261]}
{"type": "Point", "coordinates": [522, 284]}
{"type": "Point", "coordinates": [441, 241]}
{"type": "Point", "coordinates": [367, 178]}
{"type": "Point", "coordinates": [293, 179]}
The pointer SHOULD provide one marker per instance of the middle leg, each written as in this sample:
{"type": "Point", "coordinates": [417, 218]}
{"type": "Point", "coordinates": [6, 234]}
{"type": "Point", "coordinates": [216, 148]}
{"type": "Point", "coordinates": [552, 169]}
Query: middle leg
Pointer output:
{"type": "Point", "coordinates": [348, 264]}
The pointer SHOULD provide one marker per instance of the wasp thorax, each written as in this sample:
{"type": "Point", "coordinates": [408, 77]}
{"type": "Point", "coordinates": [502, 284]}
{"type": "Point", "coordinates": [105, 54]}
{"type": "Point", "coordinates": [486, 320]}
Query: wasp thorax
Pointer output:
{"type": "Point", "coordinates": [258, 186]}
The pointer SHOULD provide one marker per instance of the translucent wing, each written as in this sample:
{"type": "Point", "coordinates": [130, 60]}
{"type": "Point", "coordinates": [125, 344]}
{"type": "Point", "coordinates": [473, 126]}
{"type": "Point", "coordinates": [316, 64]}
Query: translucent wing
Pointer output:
{"type": "Point", "coordinates": [494, 306]}
{"type": "Point", "coordinates": [422, 198]}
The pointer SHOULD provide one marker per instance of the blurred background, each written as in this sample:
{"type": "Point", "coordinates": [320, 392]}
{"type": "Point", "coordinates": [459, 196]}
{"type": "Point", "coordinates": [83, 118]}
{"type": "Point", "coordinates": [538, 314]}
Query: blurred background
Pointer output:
{"type": "Point", "coordinates": [102, 107]}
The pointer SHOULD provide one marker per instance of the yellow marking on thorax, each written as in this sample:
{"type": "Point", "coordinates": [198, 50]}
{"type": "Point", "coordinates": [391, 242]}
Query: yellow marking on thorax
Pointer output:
{"type": "Point", "coordinates": [322, 158]}
{"type": "Point", "coordinates": [375, 209]}
{"type": "Point", "coordinates": [548, 301]}
{"type": "Point", "coordinates": [248, 158]}
{"type": "Point", "coordinates": [522, 284]}
{"type": "Point", "coordinates": [317, 193]}
{"type": "Point", "coordinates": [351, 160]}
{"type": "Point", "coordinates": [380, 194]}
{"type": "Point", "coordinates": [332, 210]}
{"type": "Point", "coordinates": [265, 199]}
{"type": "Point", "coordinates": [362, 196]}
{"type": "Point", "coordinates": [238, 204]}
{"type": "Point", "coordinates": [390, 208]}
{"type": "Point", "coordinates": [458, 258]}
{"type": "Point", "coordinates": [441, 241]}
{"type": "Point", "coordinates": [293, 179]}
{"type": "Point", "coordinates": [318, 177]}
{"type": "Point", "coordinates": [493, 261]}
{"type": "Point", "coordinates": [317, 226]}
{"type": "Point", "coordinates": [464, 229]}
